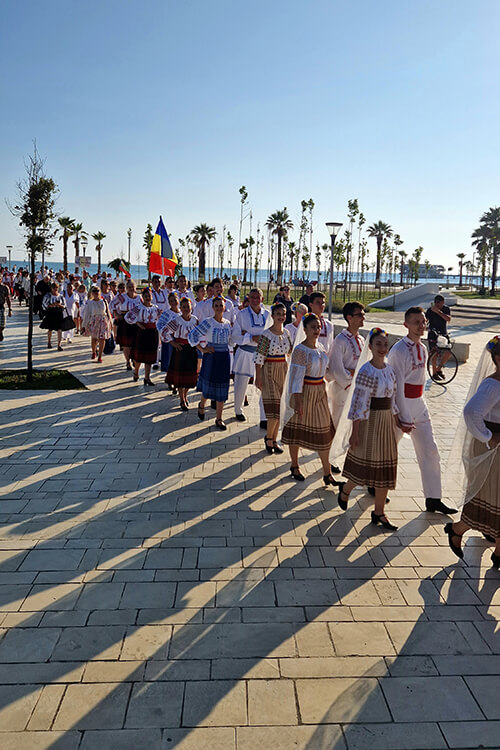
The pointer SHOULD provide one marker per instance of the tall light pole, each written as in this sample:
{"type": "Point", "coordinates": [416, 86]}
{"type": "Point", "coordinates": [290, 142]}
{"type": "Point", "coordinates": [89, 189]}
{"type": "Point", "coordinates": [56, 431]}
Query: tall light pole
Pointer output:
{"type": "Point", "coordinates": [9, 250]}
{"type": "Point", "coordinates": [129, 237]}
{"type": "Point", "coordinates": [85, 242]}
{"type": "Point", "coordinates": [333, 230]}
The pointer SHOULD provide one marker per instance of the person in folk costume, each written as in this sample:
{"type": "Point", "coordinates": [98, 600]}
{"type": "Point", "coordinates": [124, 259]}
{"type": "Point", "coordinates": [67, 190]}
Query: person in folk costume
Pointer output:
{"type": "Point", "coordinates": [271, 366]}
{"type": "Point", "coordinates": [183, 366]}
{"type": "Point", "coordinates": [97, 322]}
{"type": "Point", "coordinates": [203, 308]}
{"type": "Point", "coordinates": [183, 290]}
{"type": "Point", "coordinates": [106, 292]}
{"type": "Point", "coordinates": [125, 330]}
{"type": "Point", "coordinates": [82, 296]}
{"type": "Point", "coordinates": [344, 355]}
{"type": "Point", "coordinates": [368, 426]}
{"type": "Point", "coordinates": [145, 345]}
{"type": "Point", "coordinates": [307, 422]}
{"type": "Point", "coordinates": [477, 440]}
{"type": "Point", "coordinates": [299, 310]}
{"type": "Point", "coordinates": [317, 306]}
{"type": "Point", "coordinates": [160, 298]}
{"type": "Point", "coordinates": [212, 337]}
{"type": "Point", "coordinates": [72, 308]}
{"type": "Point", "coordinates": [54, 306]}
{"type": "Point", "coordinates": [42, 287]}
{"type": "Point", "coordinates": [408, 358]}
{"type": "Point", "coordinates": [4, 301]}
{"type": "Point", "coordinates": [249, 324]}
{"type": "Point", "coordinates": [119, 289]}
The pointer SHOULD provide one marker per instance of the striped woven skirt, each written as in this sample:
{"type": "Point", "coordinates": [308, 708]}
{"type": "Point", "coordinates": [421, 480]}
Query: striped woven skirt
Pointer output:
{"type": "Point", "coordinates": [314, 429]}
{"type": "Point", "coordinates": [374, 462]}
{"type": "Point", "coordinates": [182, 367]}
{"type": "Point", "coordinates": [273, 380]}
{"type": "Point", "coordinates": [482, 513]}
{"type": "Point", "coordinates": [213, 380]}
{"type": "Point", "coordinates": [145, 346]}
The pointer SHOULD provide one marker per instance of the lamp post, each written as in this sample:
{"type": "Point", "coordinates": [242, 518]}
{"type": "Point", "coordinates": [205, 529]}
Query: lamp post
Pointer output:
{"type": "Point", "coordinates": [85, 242]}
{"type": "Point", "coordinates": [9, 250]}
{"type": "Point", "coordinates": [333, 230]}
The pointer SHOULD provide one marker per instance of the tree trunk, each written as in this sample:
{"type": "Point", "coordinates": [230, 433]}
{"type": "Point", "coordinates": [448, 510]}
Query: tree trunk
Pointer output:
{"type": "Point", "coordinates": [377, 270]}
{"type": "Point", "coordinates": [65, 253]}
{"type": "Point", "coordinates": [460, 275]}
{"type": "Point", "coordinates": [279, 271]}
{"type": "Point", "coordinates": [98, 248]}
{"type": "Point", "coordinates": [494, 272]}
{"type": "Point", "coordinates": [201, 262]}
{"type": "Point", "coordinates": [29, 369]}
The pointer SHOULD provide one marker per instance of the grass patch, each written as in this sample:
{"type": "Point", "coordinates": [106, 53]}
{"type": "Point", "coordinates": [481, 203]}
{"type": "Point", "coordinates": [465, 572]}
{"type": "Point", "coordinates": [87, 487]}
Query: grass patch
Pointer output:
{"type": "Point", "coordinates": [43, 380]}
{"type": "Point", "coordinates": [476, 295]}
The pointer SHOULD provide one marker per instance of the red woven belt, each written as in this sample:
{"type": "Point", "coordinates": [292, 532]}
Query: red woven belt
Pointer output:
{"type": "Point", "coordinates": [413, 391]}
{"type": "Point", "coordinates": [276, 358]}
{"type": "Point", "coordinates": [313, 381]}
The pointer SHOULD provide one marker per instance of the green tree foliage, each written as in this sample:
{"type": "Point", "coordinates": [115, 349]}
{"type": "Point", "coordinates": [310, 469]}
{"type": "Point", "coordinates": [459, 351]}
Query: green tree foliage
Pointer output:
{"type": "Point", "coordinates": [67, 226]}
{"type": "Point", "coordinates": [201, 236]}
{"type": "Point", "coordinates": [379, 230]}
{"type": "Point", "coordinates": [279, 224]}
{"type": "Point", "coordinates": [147, 242]}
{"type": "Point", "coordinates": [98, 237]}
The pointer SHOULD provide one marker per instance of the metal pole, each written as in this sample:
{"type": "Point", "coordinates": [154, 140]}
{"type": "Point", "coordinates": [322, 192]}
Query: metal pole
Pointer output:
{"type": "Point", "coordinates": [330, 288]}
{"type": "Point", "coordinates": [9, 250]}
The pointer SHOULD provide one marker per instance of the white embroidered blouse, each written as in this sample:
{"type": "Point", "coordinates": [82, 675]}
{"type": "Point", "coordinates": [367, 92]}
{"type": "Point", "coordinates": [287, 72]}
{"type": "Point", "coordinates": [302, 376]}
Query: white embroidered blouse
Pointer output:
{"type": "Point", "coordinates": [372, 382]}
{"type": "Point", "coordinates": [209, 332]}
{"type": "Point", "coordinates": [272, 345]}
{"type": "Point", "coordinates": [483, 406]}
{"type": "Point", "coordinates": [143, 314]}
{"type": "Point", "coordinates": [178, 328]}
{"type": "Point", "coordinates": [306, 362]}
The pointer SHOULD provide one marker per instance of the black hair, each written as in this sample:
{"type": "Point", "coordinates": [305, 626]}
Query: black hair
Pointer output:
{"type": "Point", "coordinates": [308, 318]}
{"type": "Point", "coordinates": [233, 286]}
{"type": "Point", "coordinates": [316, 295]}
{"type": "Point", "coordinates": [216, 281]}
{"type": "Point", "coordinates": [413, 311]}
{"type": "Point", "coordinates": [155, 277]}
{"type": "Point", "coordinates": [350, 308]}
{"type": "Point", "coordinates": [439, 298]}
{"type": "Point", "coordinates": [374, 333]}
{"type": "Point", "coordinates": [277, 306]}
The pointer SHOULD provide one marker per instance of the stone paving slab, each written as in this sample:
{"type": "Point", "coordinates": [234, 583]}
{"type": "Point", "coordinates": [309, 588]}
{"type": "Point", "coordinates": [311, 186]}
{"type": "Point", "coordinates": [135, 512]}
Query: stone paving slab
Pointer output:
{"type": "Point", "coordinates": [165, 585]}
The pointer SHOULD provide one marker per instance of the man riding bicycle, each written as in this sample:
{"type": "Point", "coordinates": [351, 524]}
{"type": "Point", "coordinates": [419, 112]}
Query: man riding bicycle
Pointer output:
{"type": "Point", "coordinates": [438, 316]}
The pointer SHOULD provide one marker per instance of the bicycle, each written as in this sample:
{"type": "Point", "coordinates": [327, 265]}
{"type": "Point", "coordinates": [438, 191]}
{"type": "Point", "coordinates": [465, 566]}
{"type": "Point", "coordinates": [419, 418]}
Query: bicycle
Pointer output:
{"type": "Point", "coordinates": [446, 371]}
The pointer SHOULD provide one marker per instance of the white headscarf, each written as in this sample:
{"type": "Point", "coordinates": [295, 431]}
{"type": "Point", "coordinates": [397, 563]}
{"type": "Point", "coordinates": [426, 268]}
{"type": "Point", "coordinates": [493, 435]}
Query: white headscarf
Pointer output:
{"type": "Point", "coordinates": [463, 468]}
{"type": "Point", "coordinates": [286, 409]}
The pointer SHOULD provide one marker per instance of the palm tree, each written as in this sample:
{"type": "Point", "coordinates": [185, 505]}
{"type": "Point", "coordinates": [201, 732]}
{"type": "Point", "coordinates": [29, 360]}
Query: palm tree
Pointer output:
{"type": "Point", "coordinates": [481, 243]}
{"type": "Point", "coordinates": [279, 223]}
{"type": "Point", "coordinates": [98, 237]}
{"type": "Point", "coordinates": [67, 225]}
{"type": "Point", "coordinates": [460, 257]}
{"type": "Point", "coordinates": [79, 234]}
{"type": "Point", "coordinates": [201, 236]}
{"type": "Point", "coordinates": [147, 243]}
{"type": "Point", "coordinates": [379, 230]}
{"type": "Point", "coordinates": [402, 254]}
{"type": "Point", "coordinates": [116, 263]}
{"type": "Point", "coordinates": [491, 221]}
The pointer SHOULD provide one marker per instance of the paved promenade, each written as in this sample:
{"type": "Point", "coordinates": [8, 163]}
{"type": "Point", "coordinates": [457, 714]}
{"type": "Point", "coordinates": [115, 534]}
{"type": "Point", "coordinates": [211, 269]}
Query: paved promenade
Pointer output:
{"type": "Point", "coordinates": [165, 585]}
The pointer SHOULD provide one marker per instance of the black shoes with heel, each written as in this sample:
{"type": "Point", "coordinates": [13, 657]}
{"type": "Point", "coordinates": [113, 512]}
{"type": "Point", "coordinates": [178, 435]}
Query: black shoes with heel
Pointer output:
{"type": "Point", "coordinates": [342, 503]}
{"type": "Point", "coordinates": [295, 472]}
{"type": "Point", "coordinates": [269, 448]}
{"type": "Point", "coordinates": [448, 529]}
{"type": "Point", "coordinates": [382, 520]}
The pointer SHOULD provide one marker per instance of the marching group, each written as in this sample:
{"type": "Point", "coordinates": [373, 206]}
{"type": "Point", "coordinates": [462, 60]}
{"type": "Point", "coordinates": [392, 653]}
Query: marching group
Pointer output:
{"type": "Point", "coordinates": [338, 395]}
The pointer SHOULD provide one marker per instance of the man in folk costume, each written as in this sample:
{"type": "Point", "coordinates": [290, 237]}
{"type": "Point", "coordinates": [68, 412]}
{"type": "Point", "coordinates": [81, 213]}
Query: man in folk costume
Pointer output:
{"type": "Point", "coordinates": [160, 299]}
{"type": "Point", "coordinates": [327, 334]}
{"type": "Point", "coordinates": [249, 323]}
{"type": "Point", "coordinates": [408, 358]}
{"type": "Point", "coordinates": [343, 358]}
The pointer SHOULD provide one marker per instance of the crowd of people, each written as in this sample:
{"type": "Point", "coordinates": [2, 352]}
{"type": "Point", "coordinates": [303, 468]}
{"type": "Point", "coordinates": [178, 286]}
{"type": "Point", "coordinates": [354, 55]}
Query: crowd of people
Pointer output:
{"type": "Point", "coordinates": [348, 398]}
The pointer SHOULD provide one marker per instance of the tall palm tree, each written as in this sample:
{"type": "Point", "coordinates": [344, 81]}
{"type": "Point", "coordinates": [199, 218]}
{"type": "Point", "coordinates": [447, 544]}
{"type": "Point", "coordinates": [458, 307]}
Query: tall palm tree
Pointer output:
{"type": "Point", "coordinates": [78, 234]}
{"type": "Point", "coordinates": [481, 242]}
{"type": "Point", "coordinates": [460, 257]}
{"type": "Point", "coordinates": [201, 236]}
{"type": "Point", "coordinates": [379, 230]}
{"type": "Point", "coordinates": [402, 254]}
{"type": "Point", "coordinates": [279, 223]}
{"type": "Point", "coordinates": [98, 237]}
{"type": "Point", "coordinates": [67, 225]}
{"type": "Point", "coordinates": [491, 221]}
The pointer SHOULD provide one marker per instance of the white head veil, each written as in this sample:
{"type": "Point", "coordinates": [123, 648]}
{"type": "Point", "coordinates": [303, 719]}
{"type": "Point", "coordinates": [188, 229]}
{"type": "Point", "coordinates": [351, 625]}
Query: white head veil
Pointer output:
{"type": "Point", "coordinates": [464, 470]}
{"type": "Point", "coordinates": [286, 409]}
{"type": "Point", "coordinates": [340, 442]}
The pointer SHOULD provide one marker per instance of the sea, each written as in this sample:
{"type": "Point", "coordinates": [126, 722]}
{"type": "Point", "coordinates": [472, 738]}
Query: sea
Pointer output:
{"type": "Point", "coordinates": [140, 272]}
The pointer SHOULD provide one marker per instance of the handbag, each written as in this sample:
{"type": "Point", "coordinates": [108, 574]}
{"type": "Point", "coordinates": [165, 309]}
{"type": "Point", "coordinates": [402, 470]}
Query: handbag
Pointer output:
{"type": "Point", "coordinates": [110, 345]}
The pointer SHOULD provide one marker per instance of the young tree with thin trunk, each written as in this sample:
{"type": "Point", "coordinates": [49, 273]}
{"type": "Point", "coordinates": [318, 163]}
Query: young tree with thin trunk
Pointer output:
{"type": "Point", "coordinates": [35, 210]}
{"type": "Point", "coordinates": [147, 242]}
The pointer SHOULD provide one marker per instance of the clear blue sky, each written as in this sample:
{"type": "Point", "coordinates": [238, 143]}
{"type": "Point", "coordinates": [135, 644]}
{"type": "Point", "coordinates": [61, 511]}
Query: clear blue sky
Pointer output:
{"type": "Point", "coordinates": [168, 106]}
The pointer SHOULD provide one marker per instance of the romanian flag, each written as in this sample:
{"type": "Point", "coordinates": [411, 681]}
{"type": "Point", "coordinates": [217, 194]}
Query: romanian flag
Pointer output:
{"type": "Point", "coordinates": [123, 269]}
{"type": "Point", "coordinates": [162, 258]}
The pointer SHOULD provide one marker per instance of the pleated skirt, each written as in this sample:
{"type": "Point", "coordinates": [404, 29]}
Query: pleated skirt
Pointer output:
{"type": "Point", "coordinates": [183, 366]}
{"type": "Point", "coordinates": [125, 333]}
{"type": "Point", "coordinates": [145, 346]}
{"type": "Point", "coordinates": [482, 513]}
{"type": "Point", "coordinates": [53, 320]}
{"type": "Point", "coordinates": [273, 380]}
{"type": "Point", "coordinates": [374, 462]}
{"type": "Point", "coordinates": [213, 380]}
{"type": "Point", "coordinates": [314, 429]}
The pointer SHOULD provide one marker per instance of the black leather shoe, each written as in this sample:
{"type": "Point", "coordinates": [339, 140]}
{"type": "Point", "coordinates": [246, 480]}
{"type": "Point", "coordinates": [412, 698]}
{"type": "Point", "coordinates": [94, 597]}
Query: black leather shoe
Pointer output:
{"type": "Point", "coordinates": [448, 529]}
{"type": "Point", "coordinates": [342, 503]}
{"type": "Point", "coordinates": [213, 405]}
{"type": "Point", "coordinates": [434, 504]}
{"type": "Point", "coordinates": [241, 418]}
{"type": "Point", "coordinates": [263, 424]}
{"type": "Point", "coordinates": [382, 520]}
{"type": "Point", "coordinates": [156, 367]}
{"type": "Point", "coordinates": [495, 559]}
{"type": "Point", "coordinates": [335, 469]}
{"type": "Point", "coordinates": [295, 472]}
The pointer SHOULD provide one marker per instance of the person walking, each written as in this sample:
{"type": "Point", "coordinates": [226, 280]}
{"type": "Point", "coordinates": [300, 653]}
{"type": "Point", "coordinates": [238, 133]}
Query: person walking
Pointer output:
{"type": "Point", "coordinates": [372, 458]}
{"type": "Point", "coordinates": [299, 310]}
{"type": "Point", "coordinates": [283, 296]}
{"type": "Point", "coordinates": [481, 456]}
{"type": "Point", "coordinates": [271, 355]}
{"type": "Point", "coordinates": [97, 322]}
{"type": "Point", "coordinates": [182, 369]}
{"type": "Point", "coordinates": [145, 343]}
{"type": "Point", "coordinates": [5, 301]}
{"type": "Point", "coordinates": [438, 316]}
{"type": "Point", "coordinates": [54, 306]}
{"type": "Point", "coordinates": [212, 337]}
{"type": "Point", "coordinates": [307, 419]}
{"type": "Point", "coordinates": [125, 331]}
{"type": "Point", "coordinates": [408, 358]}
{"type": "Point", "coordinates": [327, 334]}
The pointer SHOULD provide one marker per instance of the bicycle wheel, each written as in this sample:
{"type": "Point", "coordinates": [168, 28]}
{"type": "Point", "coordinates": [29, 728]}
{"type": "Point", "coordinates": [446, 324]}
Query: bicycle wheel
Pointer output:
{"type": "Point", "coordinates": [448, 370]}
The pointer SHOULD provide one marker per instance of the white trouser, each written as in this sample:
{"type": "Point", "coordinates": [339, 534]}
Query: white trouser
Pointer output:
{"type": "Point", "coordinates": [337, 396]}
{"type": "Point", "coordinates": [67, 334]}
{"type": "Point", "coordinates": [240, 388]}
{"type": "Point", "coordinates": [425, 446]}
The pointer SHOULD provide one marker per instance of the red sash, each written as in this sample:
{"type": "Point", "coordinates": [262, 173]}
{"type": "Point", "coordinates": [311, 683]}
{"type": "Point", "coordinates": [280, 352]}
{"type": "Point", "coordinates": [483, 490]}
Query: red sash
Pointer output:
{"type": "Point", "coordinates": [413, 391]}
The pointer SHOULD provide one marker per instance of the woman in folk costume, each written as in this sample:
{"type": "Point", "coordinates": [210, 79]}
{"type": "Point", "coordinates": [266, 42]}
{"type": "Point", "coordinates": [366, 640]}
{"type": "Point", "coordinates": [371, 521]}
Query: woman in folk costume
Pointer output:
{"type": "Point", "coordinates": [299, 310]}
{"type": "Point", "coordinates": [145, 345]}
{"type": "Point", "coordinates": [306, 416]}
{"type": "Point", "coordinates": [273, 349]}
{"type": "Point", "coordinates": [212, 337]}
{"type": "Point", "coordinates": [183, 365]}
{"type": "Point", "coordinates": [71, 300]}
{"type": "Point", "coordinates": [478, 437]}
{"type": "Point", "coordinates": [97, 322]}
{"type": "Point", "coordinates": [372, 457]}
{"type": "Point", "coordinates": [125, 331]}
{"type": "Point", "coordinates": [54, 306]}
{"type": "Point", "coordinates": [82, 301]}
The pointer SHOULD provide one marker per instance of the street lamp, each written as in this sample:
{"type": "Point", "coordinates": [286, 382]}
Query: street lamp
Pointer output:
{"type": "Point", "coordinates": [333, 230]}
{"type": "Point", "coordinates": [9, 250]}
{"type": "Point", "coordinates": [84, 242]}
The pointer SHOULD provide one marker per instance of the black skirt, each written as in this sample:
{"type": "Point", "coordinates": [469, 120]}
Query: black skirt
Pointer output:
{"type": "Point", "coordinates": [145, 346]}
{"type": "Point", "coordinates": [182, 370]}
{"type": "Point", "coordinates": [125, 333]}
{"type": "Point", "coordinates": [53, 319]}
